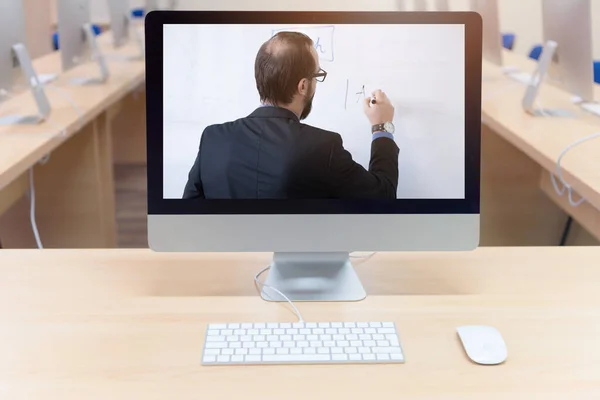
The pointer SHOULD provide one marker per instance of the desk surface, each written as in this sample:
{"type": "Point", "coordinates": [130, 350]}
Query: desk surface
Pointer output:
{"type": "Point", "coordinates": [22, 146]}
{"type": "Point", "coordinates": [543, 139]}
{"type": "Point", "coordinates": [129, 324]}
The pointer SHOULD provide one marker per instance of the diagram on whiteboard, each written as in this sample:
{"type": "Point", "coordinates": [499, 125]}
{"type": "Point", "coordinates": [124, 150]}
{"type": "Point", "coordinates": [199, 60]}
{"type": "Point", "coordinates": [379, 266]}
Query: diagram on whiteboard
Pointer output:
{"type": "Point", "coordinates": [322, 37]}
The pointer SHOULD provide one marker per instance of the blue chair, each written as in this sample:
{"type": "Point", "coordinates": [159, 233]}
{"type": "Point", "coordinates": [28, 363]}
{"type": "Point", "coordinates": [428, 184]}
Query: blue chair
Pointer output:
{"type": "Point", "coordinates": [536, 52]}
{"type": "Point", "coordinates": [597, 72]}
{"type": "Point", "coordinates": [508, 40]}
{"type": "Point", "coordinates": [96, 28]}
{"type": "Point", "coordinates": [138, 13]}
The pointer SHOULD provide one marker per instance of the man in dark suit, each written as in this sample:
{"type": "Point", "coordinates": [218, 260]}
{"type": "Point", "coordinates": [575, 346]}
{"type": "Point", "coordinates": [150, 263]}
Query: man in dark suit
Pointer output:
{"type": "Point", "coordinates": [272, 155]}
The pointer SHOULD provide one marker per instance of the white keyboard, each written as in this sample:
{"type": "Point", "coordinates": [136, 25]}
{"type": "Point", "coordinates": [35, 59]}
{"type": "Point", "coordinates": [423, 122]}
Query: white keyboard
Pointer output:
{"type": "Point", "coordinates": [302, 343]}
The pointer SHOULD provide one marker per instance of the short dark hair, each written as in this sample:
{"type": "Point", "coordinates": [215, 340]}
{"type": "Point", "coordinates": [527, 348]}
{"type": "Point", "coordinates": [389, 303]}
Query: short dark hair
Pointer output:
{"type": "Point", "coordinates": [282, 62]}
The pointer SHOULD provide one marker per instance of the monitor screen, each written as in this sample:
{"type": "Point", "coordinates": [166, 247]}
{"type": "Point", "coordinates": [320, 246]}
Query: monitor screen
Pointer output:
{"type": "Point", "coordinates": [228, 147]}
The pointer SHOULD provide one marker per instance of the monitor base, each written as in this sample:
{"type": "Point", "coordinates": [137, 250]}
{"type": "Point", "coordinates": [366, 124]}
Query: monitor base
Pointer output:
{"type": "Point", "coordinates": [313, 277]}
{"type": "Point", "coordinates": [20, 120]}
{"type": "Point", "coordinates": [593, 108]}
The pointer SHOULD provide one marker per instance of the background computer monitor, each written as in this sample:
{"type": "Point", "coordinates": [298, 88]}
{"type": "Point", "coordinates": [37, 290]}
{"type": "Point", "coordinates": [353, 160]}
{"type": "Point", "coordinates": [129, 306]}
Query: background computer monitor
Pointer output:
{"type": "Point", "coordinates": [119, 11]}
{"type": "Point", "coordinates": [401, 5]}
{"type": "Point", "coordinates": [442, 5]}
{"type": "Point", "coordinates": [569, 24]}
{"type": "Point", "coordinates": [12, 31]}
{"type": "Point", "coordinates": [197, 81]}
{"type": "Point", "coordinates": [421, 5]}
{"type": "Point", "coordinates": [492, 37]}
{"type": "Point", "coordinates": [72, 16]}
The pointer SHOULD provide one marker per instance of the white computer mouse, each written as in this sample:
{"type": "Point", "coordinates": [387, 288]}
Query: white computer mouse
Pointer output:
{"type": "Point", "coordinates": [483, 344]}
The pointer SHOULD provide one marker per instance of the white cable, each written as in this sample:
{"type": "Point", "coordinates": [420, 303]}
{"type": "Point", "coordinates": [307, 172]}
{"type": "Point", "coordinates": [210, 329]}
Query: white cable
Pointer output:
{"type": "Point", "coordinates": [34, 227]}
{"type": "Point", "coordinates": [367, 257]}
{"type": "Point", "coordinates": [258, 282]}
{"type": "Point", "coordinates": [566, 187]}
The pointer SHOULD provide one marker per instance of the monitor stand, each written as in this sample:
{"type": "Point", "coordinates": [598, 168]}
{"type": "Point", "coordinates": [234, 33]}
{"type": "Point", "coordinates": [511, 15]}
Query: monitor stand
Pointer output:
{"type": "Point", "coordinates": [591, 107]}
{"type": "Point", "coordinates": [37, 89]}
{"type": "Point", "coordinates": [97, 56]}
{"type": "Point", "coordinates": [313, 277]}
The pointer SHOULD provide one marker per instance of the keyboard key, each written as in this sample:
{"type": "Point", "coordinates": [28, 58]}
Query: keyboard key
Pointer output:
{"type": "Point", "coordinates": [215, 332]}
{"type": "Point", "coordinates": [299, 338]}
{"type": "Point", "coordinates": [233, 338]}
{"type": "Point", "coordinates": [344, 331]}
{"type": "Point", "coordinates": [302, 344]}
{"type": "Point", "coordinates": [278, 331]}
{"type": "Point", "coordinates": [318, 331]}
{"type": "Point", "coordinates": [331, 331]}
{"type": "Point", "coordinates": [375, 324]}
{"type": "Point", "coordinates": [322, 350]}
{"type": "Point", "coordinates": [289, 344]}
{"type": "Point", "coordinates": [239, 332]}
{"type": "Point", "coordinates": [337, 350]}
{"type": "Point", "coordinates": [355, 357]}
{"type": "Point", "coordinates": [349, 325]}
{"type": "Point", "coordinates": [216, 345]}
{"type": "Point", "coordinates": [324, 325]}
{"type": "Point", "coordinates": [378, 337]}
{"type": "Point", "coordinates": [350, 350]}
{"type": "Point", "coordinates": [340, 357]}
{"type": "Point", "coordinates": [356, 343]}
{"type": "Point", "coordinates": [357, 331]}
{"type": "Point", "coordinates": [370, 331]}
{"type": "Point", "coordinates": [362, 325]}
{"type": "Point", "coordinates": [259, 338]}
{"type": "Point", "coordinates": [370, 343]}
{"type": "Point", "coordinates": [237, 358]}
{"type": "Point", "coordinates": [209, 359]}
{"type": "Point", "coordinates": [272, 338]}
{"type": "Point", "coordinates": [241, 351]}
{"type": "Point", "coordinates": [275, 345]}
{"type": "Point", "coordinates": [312, 337]}
{"type": "Point", "coordinates": [252, 359]}
{"type": "Point", "coordinates": [235, 345]}
{"type": "Point", "coordinates": [266, 331]}
{"type": "Point", "coordinates": [255, 351]}
{"type": "Point", "coordinates": [364, 350]}
{"type": "Point", "coordinates": [253, 332]}
{"type": "Point", "coordinates": [298, 325]}
{"type": "Point", "coordinates": [310, 350]}
{"type": "Point", "coordinates": [383, 357]}
{"type": "Point", "coordinates": [285, 325]}
{"type": "Point", "coordinates": [352, 337]}
{"type": "Point", "coordinates": [227, 332]}
{"type": "Point", "coordinates": [285, 338]}
{"type": "Point", "coordinates": [386, 350]}
{"type": "Point", "coordinates": [233, 326]}
{"type": "Point", "coordinates": [268, 351]}
{"type": "Point", "coordinates": [383, 343]}
{"type": "Point", "coordinates": [369, 357]}
{"type": "Point", "coordinates": [365, 337]}
{"type": "Point", "coordinates": [397, 357]}
{"type": "Point", "coordinates": [337, 325]}
{"type": "Point", "coordinates": [215, 338]}
{"type": "Point", "coordinates": [306, 331]}
{"type": "Point", "coordinates": [217, 326]}
{"type": "Point", "coordinates": [272, 325]}
{"type": "Point", "coordinates": [282, 350]}
{"type": "Point", "coordinates": [343, 343]}
{"type": "Point", "coordinates": [248, 345]}
{"type": "Point", "coordinates": [246, 326]}
{"type": "Point", "coordinates": [297, 358]}
{"type": "Point", "coordinates": [260, 325]}
{"type": "Point", "coordinates": [292, 331]}
{"type": "Point", "coordinates": [296, 350]}
{"type": "Point", "coordinates": [388, 324]}
{"type": "Point", "coordinates": [385, 331]}
{"type": "Point", "coordinates": [228, 352]}
{"type": "Point", "coordinates": [339, 337]}
{"type": "Point", "coordinates": [223, 359]}
{"type": "Point", "coordinates": [329, 343]}
{"type": "Point", "coordinates": [262, 345]}
{"type": "Point", "coordinates": [316, 343]}
{"type": "Point", "coordinates": [311, 325]}
{"type": "Point", "coordinates": [212, 352]}
{"type": "Point", "coordinates": [325, 337]}
{"type": "Point", "coordinates": [246, 338]}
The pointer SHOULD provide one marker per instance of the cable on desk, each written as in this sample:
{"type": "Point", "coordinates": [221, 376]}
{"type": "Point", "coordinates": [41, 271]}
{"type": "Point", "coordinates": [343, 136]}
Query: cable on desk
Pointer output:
{"type": "Point", "coordinates": [34, 227]}
{"type": "Point", "coordinates": [260, 283]}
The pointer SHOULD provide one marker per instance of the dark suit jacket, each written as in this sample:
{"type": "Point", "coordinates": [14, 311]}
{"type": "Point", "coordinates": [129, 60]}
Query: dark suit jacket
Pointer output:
{"type": "Point", "coordinates": [272, 155]}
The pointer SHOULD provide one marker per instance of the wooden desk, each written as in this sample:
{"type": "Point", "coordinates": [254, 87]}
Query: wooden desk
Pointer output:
{"type": "Point", "coordinates": [541, 140]}
{"type": "Point", "coordinates": [129, 324]}
{"type": "Point", "coordinates": [75, 189]}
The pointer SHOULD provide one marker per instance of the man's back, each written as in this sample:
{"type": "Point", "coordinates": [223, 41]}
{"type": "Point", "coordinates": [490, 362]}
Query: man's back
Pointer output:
{"type": "Point", "coordinates": [271, 155]}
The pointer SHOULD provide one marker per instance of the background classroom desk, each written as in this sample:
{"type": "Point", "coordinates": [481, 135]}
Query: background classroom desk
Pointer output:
{"type": "Point", "coordinates": [130, 324]}
{"type": "Point", "coordinates": [75, 189]}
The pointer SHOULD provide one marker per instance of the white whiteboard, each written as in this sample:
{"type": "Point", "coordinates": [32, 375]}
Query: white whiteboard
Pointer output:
{"type": "Point", "coordinates": [209, 79]}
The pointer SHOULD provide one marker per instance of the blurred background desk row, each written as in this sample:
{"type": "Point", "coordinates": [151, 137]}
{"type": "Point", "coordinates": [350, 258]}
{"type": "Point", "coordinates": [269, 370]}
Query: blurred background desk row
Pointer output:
{"type": "Point", "coordinates": [91, 191]}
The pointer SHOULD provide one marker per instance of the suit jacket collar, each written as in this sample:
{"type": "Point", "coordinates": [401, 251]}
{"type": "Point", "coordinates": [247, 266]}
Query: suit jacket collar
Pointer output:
{"type": "Point", "coordinates": [273, 112]}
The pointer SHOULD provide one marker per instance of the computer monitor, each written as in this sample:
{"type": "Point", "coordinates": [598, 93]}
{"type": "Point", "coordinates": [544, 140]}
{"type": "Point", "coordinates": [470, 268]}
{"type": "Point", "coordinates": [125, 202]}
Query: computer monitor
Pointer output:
{"type": "Point", "coordinates": [492, 36]}
{"type": "Point", "coordinates": [16, 68]}
{"type": "Point", "coordinates": [313, 189]}
{"type": "Point", "coordinates": [77, 40]}
{"type": "Point", "coordinates": [569, 24]}
{"type": "Point", "coordinates": [120, 18]}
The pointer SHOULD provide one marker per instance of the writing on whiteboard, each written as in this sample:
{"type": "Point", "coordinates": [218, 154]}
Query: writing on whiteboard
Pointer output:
{"type": "Point", "coordinates": [322, 37]}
